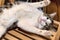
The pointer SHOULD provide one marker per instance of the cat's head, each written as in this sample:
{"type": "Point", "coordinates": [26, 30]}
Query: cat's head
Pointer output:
{"type": "Point", "coordinates": [47, 19]}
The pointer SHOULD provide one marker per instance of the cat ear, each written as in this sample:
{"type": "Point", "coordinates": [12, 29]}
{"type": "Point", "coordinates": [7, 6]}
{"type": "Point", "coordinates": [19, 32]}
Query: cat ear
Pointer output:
{"type": "Point", "coordinates": [52, 15]}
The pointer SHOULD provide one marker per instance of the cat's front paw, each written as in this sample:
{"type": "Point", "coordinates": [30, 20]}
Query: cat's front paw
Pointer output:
{"type": "Point", "coordinates": [46, 33]}
{"type": "Point", "coordinates": [47, 2]}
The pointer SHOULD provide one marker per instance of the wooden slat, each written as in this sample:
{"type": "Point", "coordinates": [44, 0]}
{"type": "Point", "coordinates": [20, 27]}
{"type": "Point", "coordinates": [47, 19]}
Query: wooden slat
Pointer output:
{"type": "Point", "coordinates": [54, 34]}
{"type": "Point", "coordinates": [38, 37]}
{"type": "Point", "coordinates": [56, 22]}
{"type": "Point", "coordinates": [57, 34]}
{"type": "Point", "coordinates": [10, 37]}
{"type": "Point", "coordinates": [19, 35]}
{"type": "Point", "coordinates": [24, 36]}
{"type": "Point", "coordinates": [32, 35]}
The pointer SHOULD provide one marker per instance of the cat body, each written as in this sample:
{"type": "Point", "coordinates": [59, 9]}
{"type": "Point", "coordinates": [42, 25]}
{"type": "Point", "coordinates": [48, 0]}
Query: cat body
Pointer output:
{"type": "Point", "coordinates": [28, 17]}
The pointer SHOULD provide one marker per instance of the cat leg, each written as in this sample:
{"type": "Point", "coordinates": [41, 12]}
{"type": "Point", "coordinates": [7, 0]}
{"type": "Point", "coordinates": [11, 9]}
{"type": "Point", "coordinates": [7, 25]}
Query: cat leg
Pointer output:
{"type": "Point", "coordinates": [2, 31]}
{"type": "Point", "coordinates": [32, 29]}
{"type": "Point", "coordinates": [41, 3]}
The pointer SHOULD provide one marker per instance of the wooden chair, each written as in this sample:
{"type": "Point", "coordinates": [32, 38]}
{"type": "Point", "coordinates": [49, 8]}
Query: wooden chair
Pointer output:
{"type": "Point", "coordinates": [57, 35]}
{"type": "Point", "coordinates": [1, 3]}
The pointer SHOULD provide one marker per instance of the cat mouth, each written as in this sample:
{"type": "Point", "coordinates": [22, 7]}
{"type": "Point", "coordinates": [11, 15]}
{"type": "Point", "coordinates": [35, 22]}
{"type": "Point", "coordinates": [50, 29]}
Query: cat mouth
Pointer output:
{"type": "Point", "coordinates": [48, 26]}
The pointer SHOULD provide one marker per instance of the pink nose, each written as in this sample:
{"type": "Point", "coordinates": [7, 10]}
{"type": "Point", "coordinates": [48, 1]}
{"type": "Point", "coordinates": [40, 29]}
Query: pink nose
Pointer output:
{"type": "Point", "coordinates": [43, 20]}
{"type": "Point", "coordinates": [40, 20]}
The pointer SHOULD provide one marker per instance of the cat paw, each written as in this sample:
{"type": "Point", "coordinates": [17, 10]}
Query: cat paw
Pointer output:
{"type": "Point", "coordinates": [47, 2]}
{"type": "Point", "coordinates": [46, 33]}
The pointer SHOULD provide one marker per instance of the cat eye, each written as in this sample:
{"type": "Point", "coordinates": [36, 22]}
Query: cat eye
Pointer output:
{"type": "Point", "coordinates": [47, 18]}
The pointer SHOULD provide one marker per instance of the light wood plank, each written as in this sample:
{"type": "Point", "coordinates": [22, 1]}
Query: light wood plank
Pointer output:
{"type": "Point", "coordinates": [10, 37]}
{"type": "Point", "coordinates": [19, 35]}
{"type": "Point", "coordinates": [57, 34]}
{"type": "Point", "coordinates": [32, 35]}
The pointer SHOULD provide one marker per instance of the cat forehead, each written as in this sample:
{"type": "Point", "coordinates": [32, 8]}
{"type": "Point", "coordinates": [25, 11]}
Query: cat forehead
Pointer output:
{"type": "Point", "coordinates": [47, 15]}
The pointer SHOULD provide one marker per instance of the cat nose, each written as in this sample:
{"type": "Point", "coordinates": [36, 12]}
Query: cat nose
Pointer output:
{"type": "Point", "coordinates": [43, 20]}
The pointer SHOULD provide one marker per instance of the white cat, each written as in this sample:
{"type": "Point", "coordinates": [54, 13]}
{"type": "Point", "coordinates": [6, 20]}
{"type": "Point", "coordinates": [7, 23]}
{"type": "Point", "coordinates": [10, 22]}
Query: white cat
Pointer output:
{"type": "Point", "coordinates": [27, 16]}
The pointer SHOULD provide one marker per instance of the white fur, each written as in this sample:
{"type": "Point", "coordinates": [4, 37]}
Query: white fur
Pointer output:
{"type": "Point", "coordinates": [41, 4]}
{"type": "Point", "coordinates": [2, 30]}
{"type": "Point", "coordinates": [27, 16]}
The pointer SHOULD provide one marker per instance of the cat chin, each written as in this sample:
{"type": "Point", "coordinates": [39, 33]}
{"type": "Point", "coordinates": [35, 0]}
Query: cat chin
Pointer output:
{"type": "Point", "coordinates": [40, 26]}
